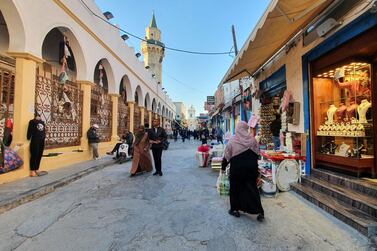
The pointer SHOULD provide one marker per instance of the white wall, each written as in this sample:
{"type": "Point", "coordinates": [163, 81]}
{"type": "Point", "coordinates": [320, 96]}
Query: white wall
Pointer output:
{"type": "Point", "coordinates": [29, 22]}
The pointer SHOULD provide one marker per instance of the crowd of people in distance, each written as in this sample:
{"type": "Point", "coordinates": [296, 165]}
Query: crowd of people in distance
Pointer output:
{"type": "Point", "coordinates": [202, 134]}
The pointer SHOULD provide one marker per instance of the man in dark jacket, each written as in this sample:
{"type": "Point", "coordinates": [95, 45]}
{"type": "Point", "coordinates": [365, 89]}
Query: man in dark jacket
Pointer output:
{"type": "Point", "coordinates": [93, 139]}
{"type": "Point", "coordinates": [275, 127]}
{"type": "Point", "coordinates": [36, 133]}
{"type": "Point", "coordinates": [157, 136]}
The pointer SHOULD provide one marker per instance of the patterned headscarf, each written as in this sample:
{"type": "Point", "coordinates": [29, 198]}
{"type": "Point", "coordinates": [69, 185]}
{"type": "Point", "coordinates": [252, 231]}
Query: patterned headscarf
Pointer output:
{"type": "Point", "coordinates": [240, 142]}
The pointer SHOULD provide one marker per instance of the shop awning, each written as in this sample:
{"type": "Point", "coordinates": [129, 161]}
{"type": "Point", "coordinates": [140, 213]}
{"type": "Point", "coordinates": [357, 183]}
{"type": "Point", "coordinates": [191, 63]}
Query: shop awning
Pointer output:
{"type": "Point", "coordinates": [282, 20]}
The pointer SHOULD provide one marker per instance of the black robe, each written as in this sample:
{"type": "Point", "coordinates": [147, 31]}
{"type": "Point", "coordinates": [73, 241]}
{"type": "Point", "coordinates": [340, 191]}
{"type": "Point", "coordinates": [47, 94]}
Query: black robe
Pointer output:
{"type": "Point", "coordinates": [244, 193]}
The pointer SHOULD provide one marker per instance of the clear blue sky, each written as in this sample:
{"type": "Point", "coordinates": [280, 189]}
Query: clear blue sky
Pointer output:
{"type": "Point", "coordinates": [197, 25]}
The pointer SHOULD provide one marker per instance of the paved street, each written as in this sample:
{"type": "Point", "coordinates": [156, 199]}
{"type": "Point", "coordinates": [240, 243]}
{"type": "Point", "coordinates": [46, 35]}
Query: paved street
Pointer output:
{"type": "Point", "coordinates": [107, 210]}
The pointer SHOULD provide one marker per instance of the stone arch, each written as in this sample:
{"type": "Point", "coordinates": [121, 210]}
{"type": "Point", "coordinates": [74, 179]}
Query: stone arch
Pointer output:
{"type": "Point", "coordinates": [139, 96]}
{"type": "Point", "coordinates": [106, 78]}
{"type": "Point", "coordinates": [159, 108]}
{"type": "Point", "coordinates": [4, 34]}
{"type": "Point", "coordinates": [147, 102]}
{"type": "Point", "coordinates": [154, 105]}
{"type": "Point", "coordinates": [16, 40]}
{"type": "Point", "coordinates": [101, 109]}
{"type": "Point", "coordinates": [53, 51]}
{"type": "Point", "coordinates": [125, 89]}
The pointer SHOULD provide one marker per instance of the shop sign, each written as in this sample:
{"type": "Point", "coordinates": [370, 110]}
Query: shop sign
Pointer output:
{"type": "Point", "coordinates": [211, 100]}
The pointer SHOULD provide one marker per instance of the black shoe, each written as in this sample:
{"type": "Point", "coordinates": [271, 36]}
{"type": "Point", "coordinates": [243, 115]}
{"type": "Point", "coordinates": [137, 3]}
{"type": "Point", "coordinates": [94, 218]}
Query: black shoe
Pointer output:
{"type": "Point", "coordinates": [260, 217]}
{"type": "Point", "coordinates": [155, 173]}
{"type": "Point", "coordinates": [160, 173]}
{"type": "Point", "coordinates": [132, 175]}
{"type": "Point", "coordinates": [234, 213]}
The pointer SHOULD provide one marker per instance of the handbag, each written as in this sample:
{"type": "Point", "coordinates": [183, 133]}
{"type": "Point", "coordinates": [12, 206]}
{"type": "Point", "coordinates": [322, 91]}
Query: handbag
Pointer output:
{"type": "Point", "coordinates": [165, 145]}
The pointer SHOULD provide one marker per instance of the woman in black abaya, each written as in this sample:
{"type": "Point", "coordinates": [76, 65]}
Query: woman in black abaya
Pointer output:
{"type": "Point", "coordinates": [242, 153]}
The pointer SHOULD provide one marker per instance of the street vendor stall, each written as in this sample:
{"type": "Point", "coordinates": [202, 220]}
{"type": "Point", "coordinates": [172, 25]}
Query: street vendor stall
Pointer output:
{"type": "Point", "coordinates": [278, 170]}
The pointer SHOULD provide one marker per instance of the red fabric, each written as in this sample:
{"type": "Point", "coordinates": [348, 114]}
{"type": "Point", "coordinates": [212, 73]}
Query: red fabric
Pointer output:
{"type": "Point", "coordinates": [203, 148]}
{"type": "Point", "coordinates": [8, 123]}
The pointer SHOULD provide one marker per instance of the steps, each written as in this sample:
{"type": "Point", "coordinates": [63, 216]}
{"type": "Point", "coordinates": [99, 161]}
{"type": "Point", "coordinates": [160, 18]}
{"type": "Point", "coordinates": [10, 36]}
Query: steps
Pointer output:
{"type": "Point", "coordinates": [353, 201]}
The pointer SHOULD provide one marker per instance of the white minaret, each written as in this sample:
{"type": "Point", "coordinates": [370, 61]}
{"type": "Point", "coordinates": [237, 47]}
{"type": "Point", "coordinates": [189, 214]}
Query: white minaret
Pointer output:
{"type": "Point", "coordinates": [153, 50]}
{"type": "Point", "coordinates": [192, 121]}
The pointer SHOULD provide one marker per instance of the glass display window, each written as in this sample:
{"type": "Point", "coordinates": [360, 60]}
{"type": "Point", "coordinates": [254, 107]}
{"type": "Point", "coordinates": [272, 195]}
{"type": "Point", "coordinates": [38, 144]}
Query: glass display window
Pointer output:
{"type": "Point", "coordinates": [342, 118]}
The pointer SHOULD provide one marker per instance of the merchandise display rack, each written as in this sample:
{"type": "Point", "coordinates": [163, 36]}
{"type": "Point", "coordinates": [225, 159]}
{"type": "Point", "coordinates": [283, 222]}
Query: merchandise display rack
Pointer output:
{"type": "Point", "coordinates": [278, 170]}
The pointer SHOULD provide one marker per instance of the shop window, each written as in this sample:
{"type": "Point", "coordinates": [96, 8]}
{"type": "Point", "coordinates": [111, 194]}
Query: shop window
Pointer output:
{"type": "Point", "coordinates": [342, 116]}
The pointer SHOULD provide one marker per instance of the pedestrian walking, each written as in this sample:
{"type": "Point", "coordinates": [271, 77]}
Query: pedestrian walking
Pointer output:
{"type": "Point", "coordinates": [219, 135]}
{"type": "Point", "coordinates": [204, 135]}
{"type": "Point", "coordinates": [175, 135]}
{"type": "Point", "coordinates": [183, 134]}
{"type": "Point", "coordinates": [141, 161]}
{"type": "Point", "coordinates": [93, 139]}
{"type": "Point", "coordinates": [36, 133]}
{"type": "Point", "coordinates": [157, 137]}
{"type": "Point", "coordinates": [242, 153]}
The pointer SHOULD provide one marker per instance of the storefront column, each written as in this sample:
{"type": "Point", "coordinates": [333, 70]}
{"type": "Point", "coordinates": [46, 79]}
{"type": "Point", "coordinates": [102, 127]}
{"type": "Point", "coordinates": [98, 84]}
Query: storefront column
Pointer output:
{"type": "Point", "coordinates": [142, 110]}
{"type": "Point", "coordinates": [24, 101]}
{"type": "Point", "coordinates": [131, 105]}
{"type": "Point", "coordinates": [114, 128]}
{"type": "Point", "coordinates": [150, 118]}
{"type": "Point", "coordinates": [86, 87]}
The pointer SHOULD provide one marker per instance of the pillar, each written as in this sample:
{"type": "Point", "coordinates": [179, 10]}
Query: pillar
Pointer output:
{"type": "Point", "coordinates": [161, 121]}
{"type": "Point", "coordinates": [150, 118]}
{"type": "Point", "coordinates": [131, 105]}
{"type": "Point", "coordinates": [24, 101]}
{"type": "Point", "coordinates": [142, 110]}
{"type": "Point", "coordinates": [114, 128]}
{"type": "Point", "coordinates": [86, 87]}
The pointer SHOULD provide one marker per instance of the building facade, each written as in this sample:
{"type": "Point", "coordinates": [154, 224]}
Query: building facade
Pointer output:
{"type": "Point", "coordinates": [75, 70]}
{"type": "Point", "coordinates": [321, 80]}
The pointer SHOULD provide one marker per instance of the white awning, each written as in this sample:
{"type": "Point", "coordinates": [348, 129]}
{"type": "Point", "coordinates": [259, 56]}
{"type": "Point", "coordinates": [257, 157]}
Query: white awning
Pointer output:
{"type": "Point", "coordinates": [282, 20]}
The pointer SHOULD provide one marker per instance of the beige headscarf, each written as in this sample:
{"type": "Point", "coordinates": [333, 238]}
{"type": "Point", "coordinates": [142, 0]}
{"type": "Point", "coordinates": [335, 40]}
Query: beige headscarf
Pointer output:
{"type": "Point", "coordinates": [240, 142]}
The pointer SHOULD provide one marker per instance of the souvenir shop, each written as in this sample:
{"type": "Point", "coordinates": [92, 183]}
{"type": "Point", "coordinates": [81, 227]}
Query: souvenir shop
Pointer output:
{"type": "Point", "coordinates": [343, 89]}
{"type": "Point", "coordinates": [281, 160]}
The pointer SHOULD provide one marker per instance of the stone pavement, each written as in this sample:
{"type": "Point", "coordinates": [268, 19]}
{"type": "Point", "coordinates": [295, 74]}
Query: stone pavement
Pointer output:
{"type": "Point", "coordinates": [27, 189]}
{"type": "Point", "coordinates": [181, 210]}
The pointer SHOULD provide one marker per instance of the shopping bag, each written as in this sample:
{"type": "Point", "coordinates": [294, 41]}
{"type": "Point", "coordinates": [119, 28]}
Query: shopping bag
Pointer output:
{"type": "Point", "coordinates": [11, 160]}
{"type": "Point", "coordinates": [223, 184]}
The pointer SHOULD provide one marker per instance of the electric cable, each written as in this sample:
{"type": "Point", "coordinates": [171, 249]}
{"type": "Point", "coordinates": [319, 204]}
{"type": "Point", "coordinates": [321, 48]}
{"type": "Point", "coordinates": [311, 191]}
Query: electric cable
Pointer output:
{"type": "Point", "coordinates": [144, 40]}
{"type": "Point", "coordinates": [180, 82]}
